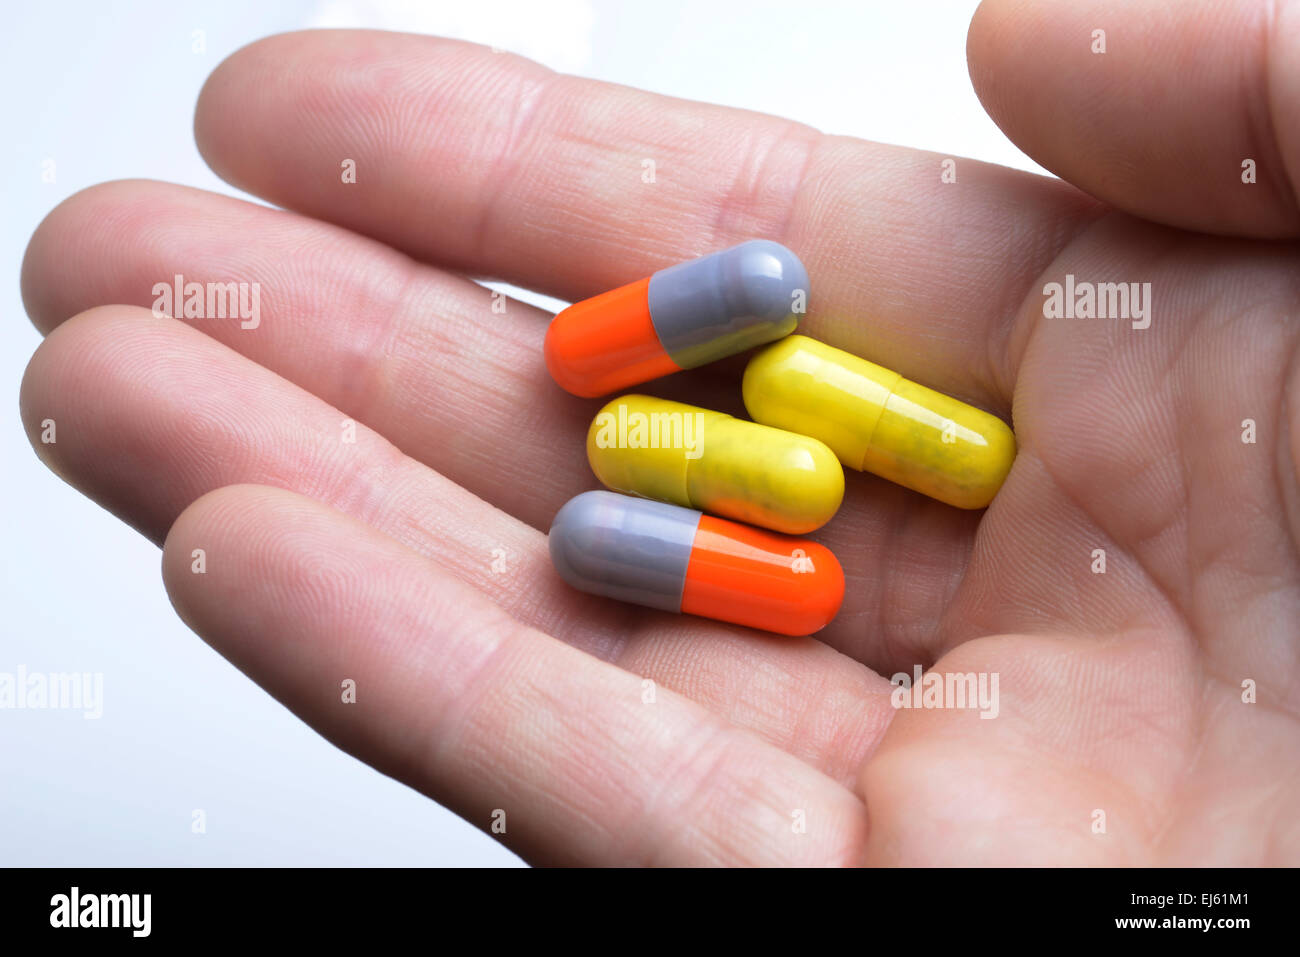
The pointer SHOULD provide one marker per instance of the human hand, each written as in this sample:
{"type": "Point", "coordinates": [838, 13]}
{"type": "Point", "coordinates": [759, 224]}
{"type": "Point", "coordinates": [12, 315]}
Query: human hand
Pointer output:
{"type": "Point", "coordinates": [412, 560]}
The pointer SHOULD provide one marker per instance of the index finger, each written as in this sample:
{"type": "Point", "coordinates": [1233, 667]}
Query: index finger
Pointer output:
{"type": "Point", "coordinates": [496, 166]}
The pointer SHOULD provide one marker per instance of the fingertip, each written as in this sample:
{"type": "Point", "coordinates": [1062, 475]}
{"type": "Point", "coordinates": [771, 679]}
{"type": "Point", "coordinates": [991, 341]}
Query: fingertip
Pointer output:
{"type": "Point", "coordinates": [981, 35]}
{"type": "Point", "coordinates": [89, 241]}
{"type": "Point", "coordinates": [93, 372]}
{"type": "Point", "coordinates": [213, 110]}
{"type": "Point", "coordinates": [56, 371]}
{"type": "Point", "coordinates": [192, 538]}
{"type": "Point", "coordinates": [56, 241]}
{"type": "Point", "coordinates": [246, 546]}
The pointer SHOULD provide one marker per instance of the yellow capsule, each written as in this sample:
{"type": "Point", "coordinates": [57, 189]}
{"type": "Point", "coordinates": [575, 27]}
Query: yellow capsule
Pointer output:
{"type": "Point", "coordinates": [876, 421]}
{"type": "Point", "coordinates": [715, 463]}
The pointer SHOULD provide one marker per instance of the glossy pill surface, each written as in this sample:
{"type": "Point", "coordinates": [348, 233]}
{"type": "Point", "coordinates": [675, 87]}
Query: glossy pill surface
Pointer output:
{"type": "Point", "coordinates": [876, 421]}
{"type": "Point", "coordinates": [680, 560]}
{"type": "Point", "coordinates": [716, 463]}
{"type": "Point", "coordinates": [679, 318]}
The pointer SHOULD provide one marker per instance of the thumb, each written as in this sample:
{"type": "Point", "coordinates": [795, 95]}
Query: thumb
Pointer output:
{"type": "Point", "coordinates": [1185, 112]}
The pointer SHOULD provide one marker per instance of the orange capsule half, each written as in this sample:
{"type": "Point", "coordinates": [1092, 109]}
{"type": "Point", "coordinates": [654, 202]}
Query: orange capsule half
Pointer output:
{"type": "Point", "coordinates": [681, 317]}
{"type": "Point", "coordinates": [680, 560]}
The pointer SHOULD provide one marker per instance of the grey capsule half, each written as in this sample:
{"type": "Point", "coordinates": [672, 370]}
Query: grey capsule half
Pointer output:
{"type": "Point", "coordinates": [632, 549]}
{"type": "Point", "coordinates": [727, 302]}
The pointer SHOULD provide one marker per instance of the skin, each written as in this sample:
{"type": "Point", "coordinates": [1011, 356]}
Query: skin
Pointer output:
{"type": "Point", "coordinates": [1119, 692]}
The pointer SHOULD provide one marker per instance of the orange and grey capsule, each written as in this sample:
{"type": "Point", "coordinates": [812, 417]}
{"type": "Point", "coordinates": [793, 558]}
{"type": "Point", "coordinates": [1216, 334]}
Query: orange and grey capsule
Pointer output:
{"type": "Point", "coordinates": [681, 317]}
{"type": "Point", "coordinates": [680, 560]}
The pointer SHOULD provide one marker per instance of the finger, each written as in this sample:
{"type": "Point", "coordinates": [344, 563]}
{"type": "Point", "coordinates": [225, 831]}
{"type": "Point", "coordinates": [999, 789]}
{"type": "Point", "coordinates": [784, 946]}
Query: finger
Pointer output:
{"type": "Point", "coordinates": [499, 167]}
{"type": "Point", "coordinates": [501, 723]}
{"type": "Point", "coordinates": [150, 415]}
{"type": "Point", "coordinates": [1158, 112]}
{"type": "Point", "coordinates": [423, 357]}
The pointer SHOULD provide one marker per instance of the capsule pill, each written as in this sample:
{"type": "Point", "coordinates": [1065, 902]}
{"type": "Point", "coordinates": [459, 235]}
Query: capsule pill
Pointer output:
{"type": "Point", "coordinates": [876, 421]}
{"type": "Point", "coordinates": [680, 560]}
{"type": "Point", "coordinates": [679, 318]}
{"type": "Point", "coordinates": [713, 462]}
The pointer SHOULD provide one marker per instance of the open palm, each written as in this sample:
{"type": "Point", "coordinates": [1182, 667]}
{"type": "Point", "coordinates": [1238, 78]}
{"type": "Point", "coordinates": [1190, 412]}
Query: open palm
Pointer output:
{"type": "Point", "coordinates": [369, 470]}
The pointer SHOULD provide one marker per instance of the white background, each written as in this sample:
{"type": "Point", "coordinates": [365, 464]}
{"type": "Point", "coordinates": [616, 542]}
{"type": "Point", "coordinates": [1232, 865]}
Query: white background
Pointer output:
{"type": "Point", "coordinates": [107, 90]}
